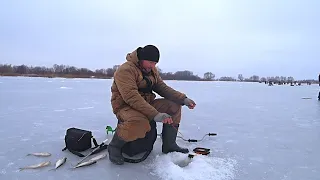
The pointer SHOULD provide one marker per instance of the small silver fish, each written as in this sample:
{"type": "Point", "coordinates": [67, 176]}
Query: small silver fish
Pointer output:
{"type": "Point", "coordinates": [35, 166]}
{"type": "Point", "coordinates": [59, 163]}
{"type": "Point", "coordinates": [86, 163]}
{"type": "Point", "coordinates": [98, 157]}
{"type": "Point", "coordinates": [40, 154]}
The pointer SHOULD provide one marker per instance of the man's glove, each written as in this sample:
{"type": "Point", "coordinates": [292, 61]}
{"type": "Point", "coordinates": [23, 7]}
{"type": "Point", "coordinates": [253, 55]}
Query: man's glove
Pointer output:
{"type": "Point", "coordinates": [189, 102]}
{"type": "Point", "coordinates": [160, 117]}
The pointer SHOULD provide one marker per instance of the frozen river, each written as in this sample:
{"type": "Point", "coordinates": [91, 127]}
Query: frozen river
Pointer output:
{"type": "Point", "coordinates": [264, 132]}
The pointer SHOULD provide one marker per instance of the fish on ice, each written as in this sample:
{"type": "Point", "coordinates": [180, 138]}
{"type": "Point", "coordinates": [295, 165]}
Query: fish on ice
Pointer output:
{"type": "Point", "coordinates": [98, 157]}
{"type": "Point", "coordinates": [35, 166]}
{"type": "Point", "coordinates": [39, 154]}
{"type": "Point", "coordinates": [86, 163]}
{"type": "Point", "coordinates": [59, 163]}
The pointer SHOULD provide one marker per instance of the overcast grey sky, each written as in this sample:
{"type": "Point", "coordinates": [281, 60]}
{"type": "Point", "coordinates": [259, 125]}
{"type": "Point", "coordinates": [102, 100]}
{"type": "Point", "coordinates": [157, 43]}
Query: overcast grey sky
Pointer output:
{"type": "Point", "coordinates": [226, 37]}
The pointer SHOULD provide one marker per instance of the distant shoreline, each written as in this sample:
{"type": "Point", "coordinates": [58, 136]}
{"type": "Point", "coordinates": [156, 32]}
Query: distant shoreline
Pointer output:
{"type": "Point", "coordinates": [71, 76]}
{"type": "Point", "coordinates": [66, 71]}
{"type": "Point", "coordinates": [55, 76]}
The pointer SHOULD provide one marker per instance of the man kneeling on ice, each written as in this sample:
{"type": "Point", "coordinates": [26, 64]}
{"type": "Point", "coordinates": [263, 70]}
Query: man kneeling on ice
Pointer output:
{"type": "Point", "coordinates": [134, 103]}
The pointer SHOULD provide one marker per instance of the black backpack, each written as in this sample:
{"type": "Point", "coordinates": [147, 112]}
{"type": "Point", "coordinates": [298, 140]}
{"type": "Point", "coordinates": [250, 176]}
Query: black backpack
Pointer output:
{"type": "Point", "coordinates": [78, 140]}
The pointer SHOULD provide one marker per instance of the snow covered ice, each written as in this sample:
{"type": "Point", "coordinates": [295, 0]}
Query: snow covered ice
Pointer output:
{"type": "Point", "coordinates": [263, 132]}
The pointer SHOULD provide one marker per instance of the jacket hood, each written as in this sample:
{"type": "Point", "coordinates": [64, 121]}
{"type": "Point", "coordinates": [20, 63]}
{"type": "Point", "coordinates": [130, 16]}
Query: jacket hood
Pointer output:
{"type": "Point", "coordinates": [133, 57]}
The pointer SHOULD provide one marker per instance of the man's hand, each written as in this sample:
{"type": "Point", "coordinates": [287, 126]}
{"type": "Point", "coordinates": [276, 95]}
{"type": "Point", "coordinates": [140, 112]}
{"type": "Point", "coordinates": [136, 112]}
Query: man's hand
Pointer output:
{"type": "Point", "coordinates": [190, 103]}
{"type": "Point", "coordinates": [164, 118]}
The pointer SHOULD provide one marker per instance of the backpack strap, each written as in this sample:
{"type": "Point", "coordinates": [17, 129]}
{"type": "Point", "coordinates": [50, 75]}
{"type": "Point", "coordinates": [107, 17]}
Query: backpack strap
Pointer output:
{"type": "Point", "coordinates": [76, 153]}
{"type": "Point", "coordinates": [95, 142]}
{"type": "Point", "coordinates": [73, 152]}
{"type": "Point", "coordinates": [100, 148]}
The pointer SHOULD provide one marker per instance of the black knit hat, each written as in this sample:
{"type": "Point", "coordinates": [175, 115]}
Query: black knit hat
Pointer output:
{"type": "Point", "coordinates": [149, 52]}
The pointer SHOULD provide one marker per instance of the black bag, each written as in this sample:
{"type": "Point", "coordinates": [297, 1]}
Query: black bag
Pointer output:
{"type": "Point", "coordinates": [78, 140]}
{"type": "Point", "coordinates": [141, 145]}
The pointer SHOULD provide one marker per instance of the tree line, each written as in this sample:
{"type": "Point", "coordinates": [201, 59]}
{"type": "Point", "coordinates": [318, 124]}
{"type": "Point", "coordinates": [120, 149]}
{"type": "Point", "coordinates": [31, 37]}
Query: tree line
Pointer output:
{"type": "Point", "coordinates": [75, 72]}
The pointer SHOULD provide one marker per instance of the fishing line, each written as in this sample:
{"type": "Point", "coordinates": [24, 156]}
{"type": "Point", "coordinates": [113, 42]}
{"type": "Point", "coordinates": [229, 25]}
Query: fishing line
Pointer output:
{"type": "Point", "coordinates": [191, 140]}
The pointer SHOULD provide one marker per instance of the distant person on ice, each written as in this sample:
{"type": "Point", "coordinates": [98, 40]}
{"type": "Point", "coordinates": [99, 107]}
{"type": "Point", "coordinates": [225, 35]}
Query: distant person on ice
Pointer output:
{"type": "Point", "coordinates": [134, 104]}
{"type": "Point", "coordinates": [319, 91]}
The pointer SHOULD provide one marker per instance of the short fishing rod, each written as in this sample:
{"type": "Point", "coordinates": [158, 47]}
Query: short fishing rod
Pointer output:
{"type": "Point", "coordinates": [109, 129]}
{"type": "Point", "coordinates": [191, 140]}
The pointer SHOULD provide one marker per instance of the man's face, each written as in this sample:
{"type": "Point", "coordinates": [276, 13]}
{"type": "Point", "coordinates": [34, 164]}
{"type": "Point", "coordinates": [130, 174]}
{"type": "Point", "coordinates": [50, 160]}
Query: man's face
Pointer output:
{"type": "Point", "coordinates": [147, 65]}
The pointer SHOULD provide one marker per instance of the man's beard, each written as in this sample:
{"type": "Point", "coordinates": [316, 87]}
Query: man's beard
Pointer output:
{"type": "Point", "coordinates": [146, 70]}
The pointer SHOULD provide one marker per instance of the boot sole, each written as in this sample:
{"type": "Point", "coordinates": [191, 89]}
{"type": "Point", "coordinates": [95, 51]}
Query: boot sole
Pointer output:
{"type": "Point", "coordinates": [116, 162]}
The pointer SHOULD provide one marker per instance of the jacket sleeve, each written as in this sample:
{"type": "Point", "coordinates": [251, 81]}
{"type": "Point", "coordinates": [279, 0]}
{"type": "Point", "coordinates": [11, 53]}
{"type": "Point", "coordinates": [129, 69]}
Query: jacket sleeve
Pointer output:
{"type": "Point", "coordinates": [125, 80]}
{"type": "Point", "coordinates": [168, 92]}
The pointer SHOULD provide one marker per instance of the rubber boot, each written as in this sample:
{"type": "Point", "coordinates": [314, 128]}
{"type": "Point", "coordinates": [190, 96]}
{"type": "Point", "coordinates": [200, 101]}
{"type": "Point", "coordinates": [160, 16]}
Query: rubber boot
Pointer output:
{"type": "Point", "coordinates": [169, 135]}
{"type": "Point", "coordinates": [114, 149]}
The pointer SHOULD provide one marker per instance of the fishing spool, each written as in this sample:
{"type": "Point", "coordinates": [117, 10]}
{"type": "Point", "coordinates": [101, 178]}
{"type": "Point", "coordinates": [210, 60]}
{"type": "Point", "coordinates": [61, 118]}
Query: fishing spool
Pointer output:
{"type": "Point", "coordinates": [200, 151]}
